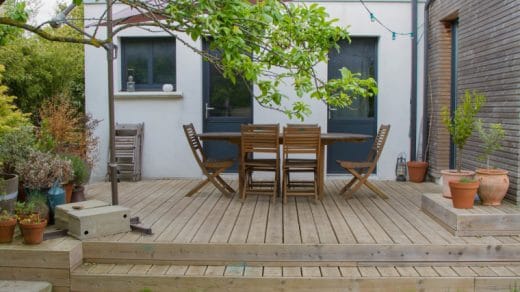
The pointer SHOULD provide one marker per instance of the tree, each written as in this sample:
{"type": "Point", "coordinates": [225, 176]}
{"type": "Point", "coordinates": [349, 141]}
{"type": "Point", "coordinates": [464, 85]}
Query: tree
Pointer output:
{"type": "Point", "coordinates": [37, 69]}
{"type": "Point", "coordinates": [11, 118]}
{"type": "Point", "coordinates": [265, 43]}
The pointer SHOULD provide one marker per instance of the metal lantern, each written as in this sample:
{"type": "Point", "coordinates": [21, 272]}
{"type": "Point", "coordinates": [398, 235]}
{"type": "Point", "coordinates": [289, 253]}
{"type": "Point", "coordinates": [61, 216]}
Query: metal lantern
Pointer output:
{"type": "Point", "coordinates": [400, 167]}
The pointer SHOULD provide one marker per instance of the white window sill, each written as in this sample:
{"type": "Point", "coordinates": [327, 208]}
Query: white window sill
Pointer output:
{"type": "Point", "coordinates": [148, 95]}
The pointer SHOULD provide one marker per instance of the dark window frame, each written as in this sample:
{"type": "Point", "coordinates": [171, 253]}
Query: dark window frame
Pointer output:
{"type": "Point", "coordinates": [150, 41]}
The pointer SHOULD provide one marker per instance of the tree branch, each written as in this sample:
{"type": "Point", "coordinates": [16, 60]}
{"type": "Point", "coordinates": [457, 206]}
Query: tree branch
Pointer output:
{"type": "Point", "coordinates": [51, 37]}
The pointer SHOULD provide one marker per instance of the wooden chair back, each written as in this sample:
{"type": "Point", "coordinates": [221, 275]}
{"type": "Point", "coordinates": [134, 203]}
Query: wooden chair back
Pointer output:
{"type": "Point", "coordinates": [260, 139]}
{"type": "Point", "coordinates": [301, 139]}
{"type": "Point", "coordinates": [195, 144]}
{"type": "Point", "coordinates": [379, 143]}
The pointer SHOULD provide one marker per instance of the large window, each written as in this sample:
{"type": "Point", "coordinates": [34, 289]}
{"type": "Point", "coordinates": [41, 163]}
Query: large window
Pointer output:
{"type": "Point", "coordinates": [150, 62]}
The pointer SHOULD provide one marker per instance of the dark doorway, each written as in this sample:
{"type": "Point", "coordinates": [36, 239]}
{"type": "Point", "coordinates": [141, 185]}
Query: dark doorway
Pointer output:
{"type": "Point", "coordinates": [359, 56]}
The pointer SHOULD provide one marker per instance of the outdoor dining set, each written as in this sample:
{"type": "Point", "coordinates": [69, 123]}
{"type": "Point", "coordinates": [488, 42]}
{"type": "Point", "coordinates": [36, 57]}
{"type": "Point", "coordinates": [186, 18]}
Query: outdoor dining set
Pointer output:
{"type": "Point", "coordinates": [303, 147]}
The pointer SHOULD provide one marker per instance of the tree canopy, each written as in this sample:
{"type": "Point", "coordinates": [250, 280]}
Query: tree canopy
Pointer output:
{"type": "Point", "coordinates": [267, 43]}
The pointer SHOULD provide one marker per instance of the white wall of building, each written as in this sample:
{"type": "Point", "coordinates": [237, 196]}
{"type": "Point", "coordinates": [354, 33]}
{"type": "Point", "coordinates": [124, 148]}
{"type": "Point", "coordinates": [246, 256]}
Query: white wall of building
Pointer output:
{"type": "Point", "coordinates": [166, 152]}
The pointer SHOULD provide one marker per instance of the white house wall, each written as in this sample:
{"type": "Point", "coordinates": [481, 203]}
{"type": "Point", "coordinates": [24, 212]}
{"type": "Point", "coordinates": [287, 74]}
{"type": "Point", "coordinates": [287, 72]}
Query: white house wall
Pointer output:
{"type": "Point", "coordinates": [166, 152]}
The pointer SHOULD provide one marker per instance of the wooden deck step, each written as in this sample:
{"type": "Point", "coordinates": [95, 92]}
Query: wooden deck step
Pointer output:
{"type": "Point", "coordinates": [143, 277]}
{"type": "Point", "coordinates": [295, 254]}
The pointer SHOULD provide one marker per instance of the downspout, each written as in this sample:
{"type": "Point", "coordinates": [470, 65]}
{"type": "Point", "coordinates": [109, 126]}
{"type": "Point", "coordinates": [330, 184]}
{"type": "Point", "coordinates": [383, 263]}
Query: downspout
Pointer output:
{"type": "Point", "coordinates": [413, 98]}
{"type": "Point", "coordinates": [426, 100]}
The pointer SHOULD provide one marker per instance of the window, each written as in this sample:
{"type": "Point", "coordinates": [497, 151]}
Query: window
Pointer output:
{"type": "Point", "coordinates": [150, 61]}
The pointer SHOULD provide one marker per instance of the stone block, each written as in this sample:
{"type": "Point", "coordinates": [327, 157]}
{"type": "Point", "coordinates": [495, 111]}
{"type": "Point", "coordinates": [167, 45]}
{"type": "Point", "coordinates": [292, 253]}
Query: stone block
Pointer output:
{"type": "Point", "coordinates": [61, 216]}
{"type": "Point", "coordinates": [101, 221]}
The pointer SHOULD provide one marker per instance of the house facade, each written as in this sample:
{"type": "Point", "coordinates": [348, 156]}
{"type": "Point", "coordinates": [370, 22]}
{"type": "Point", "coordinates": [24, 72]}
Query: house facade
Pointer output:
{"type": "Point", "coordinates": [202, 97]}
{"type": "Point", "coordinates": [474, 47]}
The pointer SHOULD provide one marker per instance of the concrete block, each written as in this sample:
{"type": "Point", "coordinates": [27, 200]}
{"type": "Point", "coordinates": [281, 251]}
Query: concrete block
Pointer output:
{"type": "Point", "coordinates": [61, 216]}
{"type": "Point", "coordinates": [101, 221]}
{"type": "Point", "coordinates": [35, 286]}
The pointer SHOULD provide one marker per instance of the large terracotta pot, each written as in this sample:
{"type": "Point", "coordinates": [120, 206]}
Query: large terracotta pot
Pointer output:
{"type": "Point", "coordinates": [493, 185]}
{"type": "Point", "coordinates": [9, 193]}
{"type": "Point", "coordinates": [33, 232]}
{"type": "Point", "coordinates": [463, 193]}
{"type": "Point", "coordinates": [7, 230]}
{"type": "Point", "coordinates": [417, 170]}
{"type": "Point", "coordinates": [453, 175]}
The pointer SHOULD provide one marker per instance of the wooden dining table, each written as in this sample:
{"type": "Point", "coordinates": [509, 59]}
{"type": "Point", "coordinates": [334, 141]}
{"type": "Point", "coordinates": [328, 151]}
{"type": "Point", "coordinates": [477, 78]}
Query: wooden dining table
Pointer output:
{"type": "Point", "coordinates": [326, 139]}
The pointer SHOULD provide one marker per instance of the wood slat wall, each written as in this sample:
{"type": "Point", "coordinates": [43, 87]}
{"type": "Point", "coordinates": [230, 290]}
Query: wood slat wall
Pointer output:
{"type": "Point", "coordinates": [489, 54]}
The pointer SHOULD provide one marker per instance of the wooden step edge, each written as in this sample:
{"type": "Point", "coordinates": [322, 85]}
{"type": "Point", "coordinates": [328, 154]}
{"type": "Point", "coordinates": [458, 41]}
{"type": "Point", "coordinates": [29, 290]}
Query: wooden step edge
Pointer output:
{"type": "Point", "coordinates": [212, 253]}
{"type": "Point", "coordinates": [126, 282]}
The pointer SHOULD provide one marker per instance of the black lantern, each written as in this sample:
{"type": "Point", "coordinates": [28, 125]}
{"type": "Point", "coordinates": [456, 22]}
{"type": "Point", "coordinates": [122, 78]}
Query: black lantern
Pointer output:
{"type": "Point", "coordinates": [400, 167]}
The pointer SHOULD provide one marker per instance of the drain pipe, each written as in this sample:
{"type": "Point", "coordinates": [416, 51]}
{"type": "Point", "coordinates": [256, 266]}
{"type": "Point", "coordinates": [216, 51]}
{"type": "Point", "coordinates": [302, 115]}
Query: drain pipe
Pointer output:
{"type": "Point", "coordinates": [426, 100]}
{"type": "Point", "coordinates": [413, 98]}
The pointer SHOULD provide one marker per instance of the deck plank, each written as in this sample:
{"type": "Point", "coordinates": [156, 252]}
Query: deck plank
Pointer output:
{"type": "Point", "coordinates": [274, 233]}
{"type": "Point", "coordinates": [323, 225]}
{"type": "Point", "coordinates": [307, 224]}
{"type": "Point", "coordinates": [258, 229]}
{"type": "Point", "coordinates": [291, 225]}
{"type": "Point", "coordinates": [243, 223]}
{"type": "Point", "coordinates": [210, 224]}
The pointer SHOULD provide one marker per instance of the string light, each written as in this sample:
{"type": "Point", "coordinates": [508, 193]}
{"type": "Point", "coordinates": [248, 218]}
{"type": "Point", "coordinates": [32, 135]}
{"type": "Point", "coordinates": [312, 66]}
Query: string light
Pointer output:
{"type": "Point", "coordinates": [373, 18]}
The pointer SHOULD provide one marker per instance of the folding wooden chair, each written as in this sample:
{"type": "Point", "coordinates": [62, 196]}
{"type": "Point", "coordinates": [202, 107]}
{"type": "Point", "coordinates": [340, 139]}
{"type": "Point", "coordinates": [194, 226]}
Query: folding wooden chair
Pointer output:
{"type": "Point", "coordinates": [211, 168]}
{"type": "Point", "coordinates": [298, 140]}
{"type": "Point", "coordinates": [362, 170]}
{"type": "Point", "coordinates": [259, 139]}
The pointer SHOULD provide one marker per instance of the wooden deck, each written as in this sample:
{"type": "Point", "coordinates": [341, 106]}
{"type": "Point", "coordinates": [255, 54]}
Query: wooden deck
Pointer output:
{"type": "Point", "coordinates": [209, 217]}
{"type": "Point", "coordinates": [210, 242]}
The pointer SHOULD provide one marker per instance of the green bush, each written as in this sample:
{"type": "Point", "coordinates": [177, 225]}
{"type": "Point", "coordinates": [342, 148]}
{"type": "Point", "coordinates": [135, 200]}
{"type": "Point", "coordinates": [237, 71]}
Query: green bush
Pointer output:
{"type": "Point", "coordinates": [80, 170]}
{"type": "Point", "coordinates": [15, 148]}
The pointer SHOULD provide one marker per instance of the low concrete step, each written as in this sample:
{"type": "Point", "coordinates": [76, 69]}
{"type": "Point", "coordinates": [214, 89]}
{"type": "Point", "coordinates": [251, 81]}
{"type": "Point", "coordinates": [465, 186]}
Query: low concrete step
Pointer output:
{"type": "Point", "coordinates": [26, 286]}
{"type": "Point", "coordinates": [239, 277]}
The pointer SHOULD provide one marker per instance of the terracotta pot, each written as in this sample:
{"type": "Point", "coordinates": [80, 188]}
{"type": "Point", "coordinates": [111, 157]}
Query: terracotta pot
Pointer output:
{"type": "Point", "coordinates": [68, 191]}
{"type": "Point", "coordinates": [463, 193]}
{"type": "Point", "coordinates": [7, 230]}
{"type": "Point", "coordinates": [453, 175]}
{"type": "Point", "coordinates": [493, 185]}
{"type": "Point", "coordinates": [78, 194]}
{"type": "Point", "coordinates": [417, 170]}
{"type": "Point", "coordinates": [9, 193]}
{"type": "Point", "coordinates": [33, 232]}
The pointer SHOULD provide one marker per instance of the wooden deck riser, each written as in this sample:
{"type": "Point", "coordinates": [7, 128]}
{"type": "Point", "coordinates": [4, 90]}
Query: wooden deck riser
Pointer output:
{"type": "Point", "coordinates": [187, 283]}
{"type": "Point", "coordinates": [153, 253]}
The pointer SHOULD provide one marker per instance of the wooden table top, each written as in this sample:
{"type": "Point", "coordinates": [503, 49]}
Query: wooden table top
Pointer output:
{"type": "Point", "coordinates": [326, 138]}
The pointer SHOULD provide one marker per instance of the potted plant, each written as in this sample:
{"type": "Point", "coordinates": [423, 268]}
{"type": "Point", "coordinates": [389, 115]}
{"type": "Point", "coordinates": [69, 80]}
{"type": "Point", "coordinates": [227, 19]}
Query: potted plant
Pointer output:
{"type": "Point", "coordinates": [463, 192]}
{"type": "Point", "coordinates": [80, 177]}
{"type": "Point", "coordinates": [15, 146]}
{"type": "Point", "coordinates": [494, 182]}
{"type": "Point", "coordinates": [7, 225]}
{"type": "Point", "coordinates": [32, 228]}
{"type": "Point", "coordinates": [42, 169]}
{"type": "Point", "coordinates": [460, 127]}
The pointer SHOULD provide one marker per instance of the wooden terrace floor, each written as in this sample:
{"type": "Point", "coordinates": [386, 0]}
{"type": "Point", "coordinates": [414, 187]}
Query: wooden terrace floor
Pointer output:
{"type": "Point", "coordinates": [209, 217]}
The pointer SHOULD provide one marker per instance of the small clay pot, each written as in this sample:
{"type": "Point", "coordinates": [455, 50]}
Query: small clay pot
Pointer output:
{"type": "Point", "coordinates": [417, 170]}
{"type": "Point", "coordinates": [69, 187]}
{"type": "Point", "coordinates": [33, 232]}
{"type": "Point", "coordinates": [78, 194]}
{"type": "Point", "coordinates": [463, 193]}
{"type": "Point", "coordinates": [7, 230]}
{"type": "Point", "coordinates": [453, 175]}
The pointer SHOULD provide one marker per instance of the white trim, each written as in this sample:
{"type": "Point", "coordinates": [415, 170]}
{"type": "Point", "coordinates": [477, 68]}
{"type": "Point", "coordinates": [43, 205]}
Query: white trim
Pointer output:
{"type": "Point", "coordinates": [148, 95]}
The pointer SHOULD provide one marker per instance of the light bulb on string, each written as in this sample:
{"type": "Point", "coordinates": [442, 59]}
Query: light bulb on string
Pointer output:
{"type": "Point", "coordinates": [372, 17]}
{"type": "Point", "coordinates": [394, 35]}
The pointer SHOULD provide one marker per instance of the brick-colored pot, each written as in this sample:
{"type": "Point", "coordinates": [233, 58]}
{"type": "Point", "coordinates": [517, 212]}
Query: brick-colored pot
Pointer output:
{"type": "Point", "coordinates": [33, 232]}
{"type": "Point", "coordinates": [417, 170]}
{"type": "Point", "coordinates": [493, 185]}
{"type": "Point", "coordinates": [463, 193]}
{"type": "Point", "coordinates": [453, 175]}
{"type": "Point", "coordinates": [7, 230]}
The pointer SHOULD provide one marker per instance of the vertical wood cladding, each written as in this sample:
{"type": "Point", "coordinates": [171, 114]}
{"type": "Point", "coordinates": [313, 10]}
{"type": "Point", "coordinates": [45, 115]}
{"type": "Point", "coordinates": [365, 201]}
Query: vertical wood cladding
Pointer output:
{"type": "Point", "coordinates": [489, 62]}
